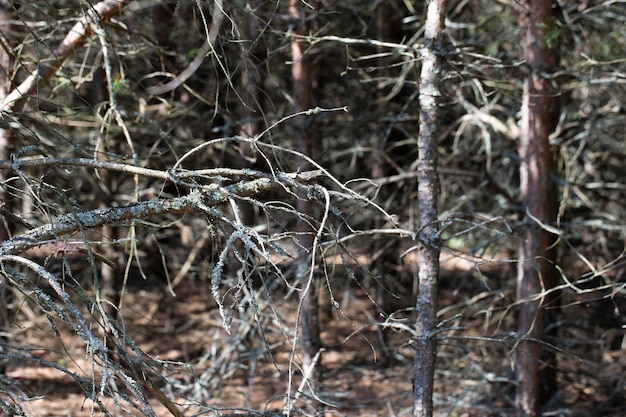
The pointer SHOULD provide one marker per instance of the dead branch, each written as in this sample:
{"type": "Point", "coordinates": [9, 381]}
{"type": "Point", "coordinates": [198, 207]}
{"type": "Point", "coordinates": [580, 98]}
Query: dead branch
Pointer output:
{"type": "Point", "coordinates": [102, 11]}
{"type": "Point", "coordinates": [196, 202]}
{"type": "Point", "coordinates": [175, 175]}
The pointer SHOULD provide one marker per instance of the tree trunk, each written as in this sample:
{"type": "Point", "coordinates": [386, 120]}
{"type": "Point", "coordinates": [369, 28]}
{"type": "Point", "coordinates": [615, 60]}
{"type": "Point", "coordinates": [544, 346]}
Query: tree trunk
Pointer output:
{"type": "Point", "coordinates": [428, 227]}
{"type": "Point", "coordinates": [302, 79]}
{"type": "Point", "coordinates": [378, 168]}
{"type": "Point", "coordinates": [108, 291]}
{"type": "Point", "coordinates": [536, 272]}
{"type": "Point", "coordinates": [7, 144]}
{"type": "Point", "coordinates": [250, 114]}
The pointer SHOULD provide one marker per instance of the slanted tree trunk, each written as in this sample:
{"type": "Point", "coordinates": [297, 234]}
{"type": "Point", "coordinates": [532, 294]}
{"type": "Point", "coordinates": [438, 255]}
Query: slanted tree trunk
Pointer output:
{"type": "Point", "coordinates": [302, 79]}
{"type": "Point", "coordinates": [536, 273]}
{"type": "Point", "coordinates": [428, 228]}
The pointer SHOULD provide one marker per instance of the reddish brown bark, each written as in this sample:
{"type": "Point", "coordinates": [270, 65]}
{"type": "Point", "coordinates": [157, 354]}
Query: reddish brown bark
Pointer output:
{"type": "Point", "coordinates": [535, 270]}
{"type": "Point", "coordinates": [302, 79]}
{"type": "Point", "coordinates": [428, 227]}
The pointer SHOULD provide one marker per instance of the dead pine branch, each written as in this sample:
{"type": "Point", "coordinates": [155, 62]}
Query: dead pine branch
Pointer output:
{"type": "Point", "coordinates": [196, 202]}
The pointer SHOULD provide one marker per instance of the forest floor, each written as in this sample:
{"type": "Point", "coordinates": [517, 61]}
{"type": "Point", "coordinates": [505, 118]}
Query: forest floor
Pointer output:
{"type": "Point", "coordinates": [234, 374]}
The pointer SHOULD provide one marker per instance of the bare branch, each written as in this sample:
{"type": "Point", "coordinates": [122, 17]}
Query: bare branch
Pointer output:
{"type": "Point", "coordinates": [195, 202]}
{"type": "Point", "coordinates": [104, 10]}
{"type": "Point", "coordinates": [173, 175]}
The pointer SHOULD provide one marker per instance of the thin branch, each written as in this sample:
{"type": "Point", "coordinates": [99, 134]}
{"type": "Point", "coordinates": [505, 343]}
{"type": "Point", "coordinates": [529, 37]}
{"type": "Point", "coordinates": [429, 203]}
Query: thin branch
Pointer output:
{"type": "Point", "coordinates": [103, 11]}
{"type": "Point", "coordinates": [173, 175]}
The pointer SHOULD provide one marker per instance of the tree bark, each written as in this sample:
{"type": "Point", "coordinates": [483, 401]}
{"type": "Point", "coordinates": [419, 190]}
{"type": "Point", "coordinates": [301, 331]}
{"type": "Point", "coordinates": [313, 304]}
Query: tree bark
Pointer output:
{"type": "Point", "coordinates": [536, 273]}
{"type": "Point", "coordinates": [302, 79]}
{"type": "Point", "coordinates": [7, 144]}
{"type": "Point", "coordinates": [250, 113]}
{"type": "Point", "coordinates": [378, 166]}
{"type": "Point", "coordinates": [428, 227]}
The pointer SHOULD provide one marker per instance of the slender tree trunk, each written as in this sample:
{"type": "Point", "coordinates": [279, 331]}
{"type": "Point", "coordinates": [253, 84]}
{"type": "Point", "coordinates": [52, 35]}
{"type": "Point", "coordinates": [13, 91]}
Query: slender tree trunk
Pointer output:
{"type": "Point", "coordinates": [7, 14]}
{"type": "Point", "coordinates": [250, 78]}
{"type": "Point", "coordinates": [378, 168]}
{"type": "Point", "coordinates": [109, 288]}
{"type": "Point", "coordinates": [250, 114]}
{"type": "Point", "coordinates": [7, 144]}
{"type": "Point", "coordinates": [428, 227]}
{"type": "Point", "coordinates": [302, 79]}
{"type": "Point", "coordinates": [535, 270]}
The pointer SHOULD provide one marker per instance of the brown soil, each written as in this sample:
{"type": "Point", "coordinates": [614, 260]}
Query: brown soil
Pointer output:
{"type": "Point", "coordinates": [235, 374]}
